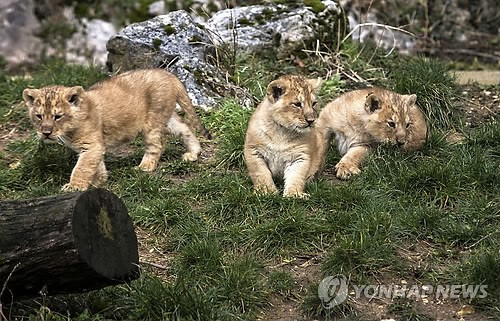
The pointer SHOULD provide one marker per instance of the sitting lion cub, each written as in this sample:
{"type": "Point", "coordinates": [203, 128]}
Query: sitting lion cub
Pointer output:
{"type": "Point", "coordinates": [280, 142]}
{"type": "Point", "coordinates": [111, 113]}
{"type": "Point", "coordinates": [363, 118]}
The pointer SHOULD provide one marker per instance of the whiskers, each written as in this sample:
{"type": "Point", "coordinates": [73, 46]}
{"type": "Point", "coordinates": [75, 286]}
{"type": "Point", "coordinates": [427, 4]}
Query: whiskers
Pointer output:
{"type": "Point", "coordinates": [63, 140]}
{"type": "Point", "coordinates": [301, 128]}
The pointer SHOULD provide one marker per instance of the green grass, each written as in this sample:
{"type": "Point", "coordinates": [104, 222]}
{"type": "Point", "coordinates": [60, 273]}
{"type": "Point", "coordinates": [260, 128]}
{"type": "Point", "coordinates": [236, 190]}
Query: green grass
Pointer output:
{"type": "Point", "coordinates": [223, 239]}
{"type": "Point", "coordinates": [431, 81]}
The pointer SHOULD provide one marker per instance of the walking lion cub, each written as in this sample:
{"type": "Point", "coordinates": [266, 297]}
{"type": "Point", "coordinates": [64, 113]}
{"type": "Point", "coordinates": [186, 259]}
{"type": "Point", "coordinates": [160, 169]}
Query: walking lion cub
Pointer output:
{"type": "Point", "coordinates": [361, 119]}
{"type": "Point", "coordinates": [280, 141]}
{"type": "Point", "coordinates": [111, 113]}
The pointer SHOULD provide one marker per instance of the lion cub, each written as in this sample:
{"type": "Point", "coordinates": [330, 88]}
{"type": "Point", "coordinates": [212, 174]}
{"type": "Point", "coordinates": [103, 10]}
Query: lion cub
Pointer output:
{"type": "Point", "coordinates": [280, 142]}
{"type": "Point", "coordinates": [111, 113]}
{"type": "Point", "coordinates": [363, 118]}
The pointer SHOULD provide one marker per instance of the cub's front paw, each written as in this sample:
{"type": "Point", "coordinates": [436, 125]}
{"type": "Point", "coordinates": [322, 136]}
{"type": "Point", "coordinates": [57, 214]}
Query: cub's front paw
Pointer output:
{"type": "Point", "coordinates": [264, 190]}
{"type": "Point", "coordinates": [147, 166]}
{"type": "Point", "coordinates": [189, 157]}
{"type": "Point", "coordinates": [346, 170]}
{"type": "Point", "coordinates": [302, 195]}
{"type": "Point", "coordinates": [71, 187]}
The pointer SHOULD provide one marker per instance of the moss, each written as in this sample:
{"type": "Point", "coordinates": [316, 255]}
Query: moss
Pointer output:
{"type": "Point", "coordinates": [259, 19]}
{"type": "Point", "coordinates": [195, 39]}
{"type": "Point", "coordinates": [198, 75]}
{"type": "Point", "coordinates": [316, 5]}
{"type": "Point", "coordinates": [157, 43]}
{"type": "Point", "coordinates": [268, 13]}
{"type": "Point", "coordinates": [169, 29]}
{"type": "Point", "coordinates": [104, 224]}
{"type": "Point", "coordinates": [244, 22]}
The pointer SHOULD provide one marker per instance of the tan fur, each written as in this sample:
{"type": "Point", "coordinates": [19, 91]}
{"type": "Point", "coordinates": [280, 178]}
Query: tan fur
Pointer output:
{"type": "Point", "coordinates": [363, 118]}
{"type": "Point", "coordinates": [111, 113]}
{"type": "Point", "coordinates": [280, 142]}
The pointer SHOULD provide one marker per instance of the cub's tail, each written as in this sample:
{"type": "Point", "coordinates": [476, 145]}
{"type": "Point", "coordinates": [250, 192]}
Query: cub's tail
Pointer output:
{"type": "Point", "coordinates": [191, 117]}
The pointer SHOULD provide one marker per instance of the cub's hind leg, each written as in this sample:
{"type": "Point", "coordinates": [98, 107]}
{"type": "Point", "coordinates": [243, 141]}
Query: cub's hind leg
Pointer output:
{"type": "Point", "coordinates": [178, 128]}
{"type": "Point", "coordinates": [154, 141]}
{"type": "Point", "coordinates": [101, 175]}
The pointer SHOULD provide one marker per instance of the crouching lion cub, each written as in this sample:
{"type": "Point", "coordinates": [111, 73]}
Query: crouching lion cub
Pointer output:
{"type": "Point", "coordinates": [111, 113]}
{"type": "Point", "coordinates": [280, 142]}
{"type": "Point", "coordinates": [363, 118]}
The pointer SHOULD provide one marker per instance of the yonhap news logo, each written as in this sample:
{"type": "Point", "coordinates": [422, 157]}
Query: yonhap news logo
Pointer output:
{"type": "Point", "coordinates": [334, 290]}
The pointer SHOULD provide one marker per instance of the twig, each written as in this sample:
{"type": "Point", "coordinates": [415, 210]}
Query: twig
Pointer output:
{"type": "Point", "coordinates": [9, 135]}
{"type": "Point", "coordinates": [373, 24]}
{"type": "Point", "coordinates": [3, 317]}
{"type": "Point", "coordinates": [163, 267]}
{"type": "Point", "coordinates": [480, 240]}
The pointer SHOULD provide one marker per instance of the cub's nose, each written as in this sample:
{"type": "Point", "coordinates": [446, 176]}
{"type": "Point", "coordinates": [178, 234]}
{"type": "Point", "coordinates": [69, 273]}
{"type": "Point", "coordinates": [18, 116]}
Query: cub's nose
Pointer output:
{"type": "Point", "coordinates": [46, 131]}
{"type": "Point", "coordinates": [310, 121]}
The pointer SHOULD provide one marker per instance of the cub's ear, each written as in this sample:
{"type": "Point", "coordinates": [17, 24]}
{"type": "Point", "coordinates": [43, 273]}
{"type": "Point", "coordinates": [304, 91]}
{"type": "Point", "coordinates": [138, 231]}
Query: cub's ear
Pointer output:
{"type": "Point", "coordinates": [29, 96]}
{"type": "Point", "coordinates": [275, 90]}
{"type": "Point", "coordinates": [372, 103]}
{"type": "Point", "coordinates": [411, 99]}
{"type": "Point", "coordinates": [315, 83]}
{"type": "Point", "coordinates": [74, 95]}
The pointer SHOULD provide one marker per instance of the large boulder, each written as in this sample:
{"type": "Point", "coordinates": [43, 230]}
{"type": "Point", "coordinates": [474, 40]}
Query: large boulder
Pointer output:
{"type": "Point", "coordinates": [175, 42]}
{"type": "Point", "coordinates": [88, 44]}
{"type": "Point", "coordinates": [191, 50]}
{"type": "Point", "coordinates": [283, 27]}
{"type": "Point", "coordinates": [17, 40]}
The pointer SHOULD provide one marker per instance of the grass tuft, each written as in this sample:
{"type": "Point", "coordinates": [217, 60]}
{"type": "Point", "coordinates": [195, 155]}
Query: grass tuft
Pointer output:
{"type": "Point", "coordinates": [434, 86]}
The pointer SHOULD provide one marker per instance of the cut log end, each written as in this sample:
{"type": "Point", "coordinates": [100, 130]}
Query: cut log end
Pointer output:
{"type": "Point", "coordinates": [104, 235]}
{"type": "Point", "coordinates": [66, 243]}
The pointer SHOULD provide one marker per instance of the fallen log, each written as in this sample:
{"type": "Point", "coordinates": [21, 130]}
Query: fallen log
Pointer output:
{"type": "Point", "coordinates": [68, 243]}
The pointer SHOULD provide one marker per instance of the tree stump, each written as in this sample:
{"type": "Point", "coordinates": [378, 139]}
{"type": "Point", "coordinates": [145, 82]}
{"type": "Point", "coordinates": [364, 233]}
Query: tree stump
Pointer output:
{"type": "Point", "coordinates": [68, 243]}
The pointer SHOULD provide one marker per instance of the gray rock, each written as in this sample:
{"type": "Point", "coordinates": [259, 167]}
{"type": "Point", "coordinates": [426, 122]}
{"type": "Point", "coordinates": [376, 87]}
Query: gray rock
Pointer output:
{"type": "Point", "coordinates": [384, 36]}
{"type": "Point", "coordinates": [285, 28]}
{"type": "Point", "coordinates": [175, 42]}
{"type": "Point", "coordinates": [18, 24]}
{"type": "Point", "coordinates": [88, 43]}
{"type": "Point", "coordinates": [157, 8]}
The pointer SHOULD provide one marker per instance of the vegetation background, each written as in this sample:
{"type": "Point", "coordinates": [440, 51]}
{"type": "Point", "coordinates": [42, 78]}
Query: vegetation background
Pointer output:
{"type": "Point", "coordinates": [213, 250]}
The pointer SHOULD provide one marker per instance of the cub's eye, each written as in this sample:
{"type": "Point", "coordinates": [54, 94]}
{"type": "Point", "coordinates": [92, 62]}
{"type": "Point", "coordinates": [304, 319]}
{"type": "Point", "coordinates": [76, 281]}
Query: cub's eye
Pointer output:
{"type": "Point", "coordinates": [57, 117]}
{"type": "Point", "coordinates": [408, 125]}
{"type": "Point", "coordinates": [38, 116]}
{"type": "Point", "coordinates": [298, 104]}
{"type": "Point", "coordinates": [73, 99]}
{"type": "Point", "coordinates": [314, 103]}
{"type": "Point", "coordinates": [391, 124]}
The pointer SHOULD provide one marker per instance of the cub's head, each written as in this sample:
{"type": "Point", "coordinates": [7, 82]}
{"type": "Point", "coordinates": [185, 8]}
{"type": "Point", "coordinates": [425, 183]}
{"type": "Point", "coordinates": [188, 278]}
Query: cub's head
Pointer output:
{"type": "Point", "coordinates": [293, 102]}
{"type": "Point", "coordinates": [52, 109]}
{"type": "Point", "coordinates": [388, 119]}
